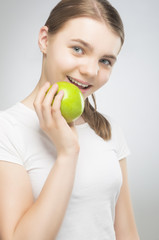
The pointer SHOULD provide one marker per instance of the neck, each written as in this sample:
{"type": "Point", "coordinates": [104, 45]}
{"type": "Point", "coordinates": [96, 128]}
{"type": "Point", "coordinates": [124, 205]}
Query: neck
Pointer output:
{"type": "Point", "coordinates": [28, 101]}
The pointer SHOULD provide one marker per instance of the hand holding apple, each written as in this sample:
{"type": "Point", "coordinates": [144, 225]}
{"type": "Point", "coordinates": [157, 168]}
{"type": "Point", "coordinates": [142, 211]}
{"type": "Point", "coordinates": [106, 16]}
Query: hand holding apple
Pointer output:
{"type": "Point", "coordinates": [72, 104]}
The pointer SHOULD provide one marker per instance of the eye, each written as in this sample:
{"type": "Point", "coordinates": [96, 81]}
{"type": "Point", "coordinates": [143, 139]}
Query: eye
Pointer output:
{"type": "Point", "coordinates": [106, 62]}
{"type": "Point", "coordinates": [78, 49]}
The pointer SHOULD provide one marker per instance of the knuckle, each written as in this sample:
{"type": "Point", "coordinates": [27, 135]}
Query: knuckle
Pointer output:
{"type": "Point", "coordinates": [41, 88]}
{"type": "Point", "coordinates": [49, 126]}
{"type": "Point", "coordinates": [46, 126]}
{"type": "Point", "coordinates": [43, 106]}
{"type": "Point", "coordinates": [54, 109]}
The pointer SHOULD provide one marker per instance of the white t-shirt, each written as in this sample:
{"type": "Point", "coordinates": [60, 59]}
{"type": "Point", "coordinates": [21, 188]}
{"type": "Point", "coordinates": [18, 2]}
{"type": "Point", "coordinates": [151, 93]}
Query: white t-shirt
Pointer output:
{"type": "Point", "coordinates": [91, 210]}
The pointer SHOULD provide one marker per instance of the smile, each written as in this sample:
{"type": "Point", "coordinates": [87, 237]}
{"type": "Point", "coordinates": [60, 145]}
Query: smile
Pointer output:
{"type": "Point", "coordinates": [79, 84]}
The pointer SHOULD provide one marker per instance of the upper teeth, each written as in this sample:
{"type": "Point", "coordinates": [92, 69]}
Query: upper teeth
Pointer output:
{"type": "Point", "coordinates": [80, 84]}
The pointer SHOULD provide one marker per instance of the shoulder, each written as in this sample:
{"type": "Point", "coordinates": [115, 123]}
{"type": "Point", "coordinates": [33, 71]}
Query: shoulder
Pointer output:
{"type": "Point", "coordinates": [11, 147]}
{"type": "Point", "coordinates": [115, 126]}
{"type": "Point", "coordinates": [6, 118]}
{"type": "Point", "coordinates": [118, 138]}
{"type": "Point", "coordinates": [8, 124]}
{"type": "Point", "coordinates": [17, 115]}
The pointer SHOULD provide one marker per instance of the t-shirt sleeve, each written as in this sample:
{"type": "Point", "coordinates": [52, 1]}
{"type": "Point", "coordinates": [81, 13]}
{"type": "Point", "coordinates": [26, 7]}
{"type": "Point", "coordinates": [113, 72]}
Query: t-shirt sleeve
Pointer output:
{"type": "Point", "coordinates": [8, 143]}
{"type": "Point", "coordinates": [121, 147]}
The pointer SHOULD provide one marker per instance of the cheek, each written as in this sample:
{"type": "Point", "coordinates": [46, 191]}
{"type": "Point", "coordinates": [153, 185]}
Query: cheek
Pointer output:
{"type": "Point", "coordinates": [65, 58]}
{"type": "Point", "coordinates": [65, 63]}
{"type": "Point", "coordinates": [104, 78]}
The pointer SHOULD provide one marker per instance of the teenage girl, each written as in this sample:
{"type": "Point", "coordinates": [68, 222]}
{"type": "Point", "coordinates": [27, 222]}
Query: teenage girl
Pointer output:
{"type": "Point", "coordinates": [58, 180]}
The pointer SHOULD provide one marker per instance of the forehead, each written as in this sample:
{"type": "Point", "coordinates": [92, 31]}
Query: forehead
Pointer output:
{"type": "Point", "coordinates": [96, 33]}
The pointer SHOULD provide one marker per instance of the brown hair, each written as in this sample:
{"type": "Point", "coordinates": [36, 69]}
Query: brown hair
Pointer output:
{"type": "Point", "coordinates": [100, 10]}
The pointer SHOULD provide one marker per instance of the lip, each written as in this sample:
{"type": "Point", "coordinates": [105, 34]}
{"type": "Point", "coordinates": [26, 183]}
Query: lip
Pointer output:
{"type": "Point", "coordinates": [83, 90]}
{"type": "Point", "coordinates": [80, 81]}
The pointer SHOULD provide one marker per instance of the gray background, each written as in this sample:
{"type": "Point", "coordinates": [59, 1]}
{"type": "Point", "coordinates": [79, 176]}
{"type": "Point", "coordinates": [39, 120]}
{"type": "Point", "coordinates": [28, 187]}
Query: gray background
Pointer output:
{"type": "Point", "coordinates": [131, 95]}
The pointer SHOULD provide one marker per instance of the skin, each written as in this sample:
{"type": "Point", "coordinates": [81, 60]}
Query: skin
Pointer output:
{"type": "Point", "coordinates": [80, 63]}
{"type": "Point", "coordinates": [19, 214]}
{"type": "Point", "coordinates": [61, 58]}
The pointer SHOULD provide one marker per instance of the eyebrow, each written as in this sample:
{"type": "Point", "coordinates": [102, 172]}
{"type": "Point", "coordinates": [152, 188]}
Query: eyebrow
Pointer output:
{"type": "Point", "coordinates": [87, 45]}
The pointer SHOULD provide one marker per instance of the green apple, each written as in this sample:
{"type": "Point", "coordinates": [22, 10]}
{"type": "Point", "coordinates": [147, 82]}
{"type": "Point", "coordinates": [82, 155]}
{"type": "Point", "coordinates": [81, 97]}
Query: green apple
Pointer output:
{"type": "Point", "coordinates": [72, 104]}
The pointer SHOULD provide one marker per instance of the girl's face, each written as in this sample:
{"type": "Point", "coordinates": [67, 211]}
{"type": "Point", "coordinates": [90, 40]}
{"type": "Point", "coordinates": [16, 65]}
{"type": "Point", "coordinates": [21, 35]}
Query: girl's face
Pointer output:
{"type": "Point", "coordinates": [84, 51]}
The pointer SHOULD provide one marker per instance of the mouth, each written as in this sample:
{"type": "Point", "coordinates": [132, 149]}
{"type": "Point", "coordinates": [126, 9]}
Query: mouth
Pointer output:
{"type": "Point", "coordinates": [79, 84]}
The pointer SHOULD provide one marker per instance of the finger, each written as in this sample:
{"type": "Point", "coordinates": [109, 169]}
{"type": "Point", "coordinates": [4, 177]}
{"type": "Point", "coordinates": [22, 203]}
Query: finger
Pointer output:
{"type": "Point", "coordinates": [50, 95]}
{"type": "Point", "coordinates": [56, 112]}
{"type": "Point", "coordinates": [47, 102]}
{"type": "Point", "coordinates": [41, 93]}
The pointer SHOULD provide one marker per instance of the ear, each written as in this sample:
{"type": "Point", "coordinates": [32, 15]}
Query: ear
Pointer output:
{"type": "Point", "coordinates": [43, 39]}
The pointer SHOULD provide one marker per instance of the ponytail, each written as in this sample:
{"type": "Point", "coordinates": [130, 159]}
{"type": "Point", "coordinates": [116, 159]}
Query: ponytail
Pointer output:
{"type": "Point", "coordinates": [96, 121]}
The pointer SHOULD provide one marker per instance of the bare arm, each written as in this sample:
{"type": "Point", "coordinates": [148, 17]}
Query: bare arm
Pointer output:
{"type": "Point", "coordinates": [125, 227]}
{"type": "Point", "coordinates": [23, 219]}
{"type": "Point", "coordinates": [20, 217]}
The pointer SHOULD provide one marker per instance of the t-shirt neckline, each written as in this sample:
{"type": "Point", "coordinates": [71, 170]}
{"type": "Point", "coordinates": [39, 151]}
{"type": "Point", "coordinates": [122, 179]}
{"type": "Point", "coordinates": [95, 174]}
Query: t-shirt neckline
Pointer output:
{"type": "Point", "coordinates": [31, 111]}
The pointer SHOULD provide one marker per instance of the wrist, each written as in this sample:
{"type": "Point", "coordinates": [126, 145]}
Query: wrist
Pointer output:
{"type": "Point", "coordinates": [69, 152]}
{"type": "Point", "coordinates": [68, 156]}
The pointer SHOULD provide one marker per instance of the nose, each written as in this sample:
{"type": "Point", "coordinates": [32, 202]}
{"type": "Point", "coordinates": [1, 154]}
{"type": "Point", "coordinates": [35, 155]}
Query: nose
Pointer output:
{"type": "Point", "coordinates": [89, 68]}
